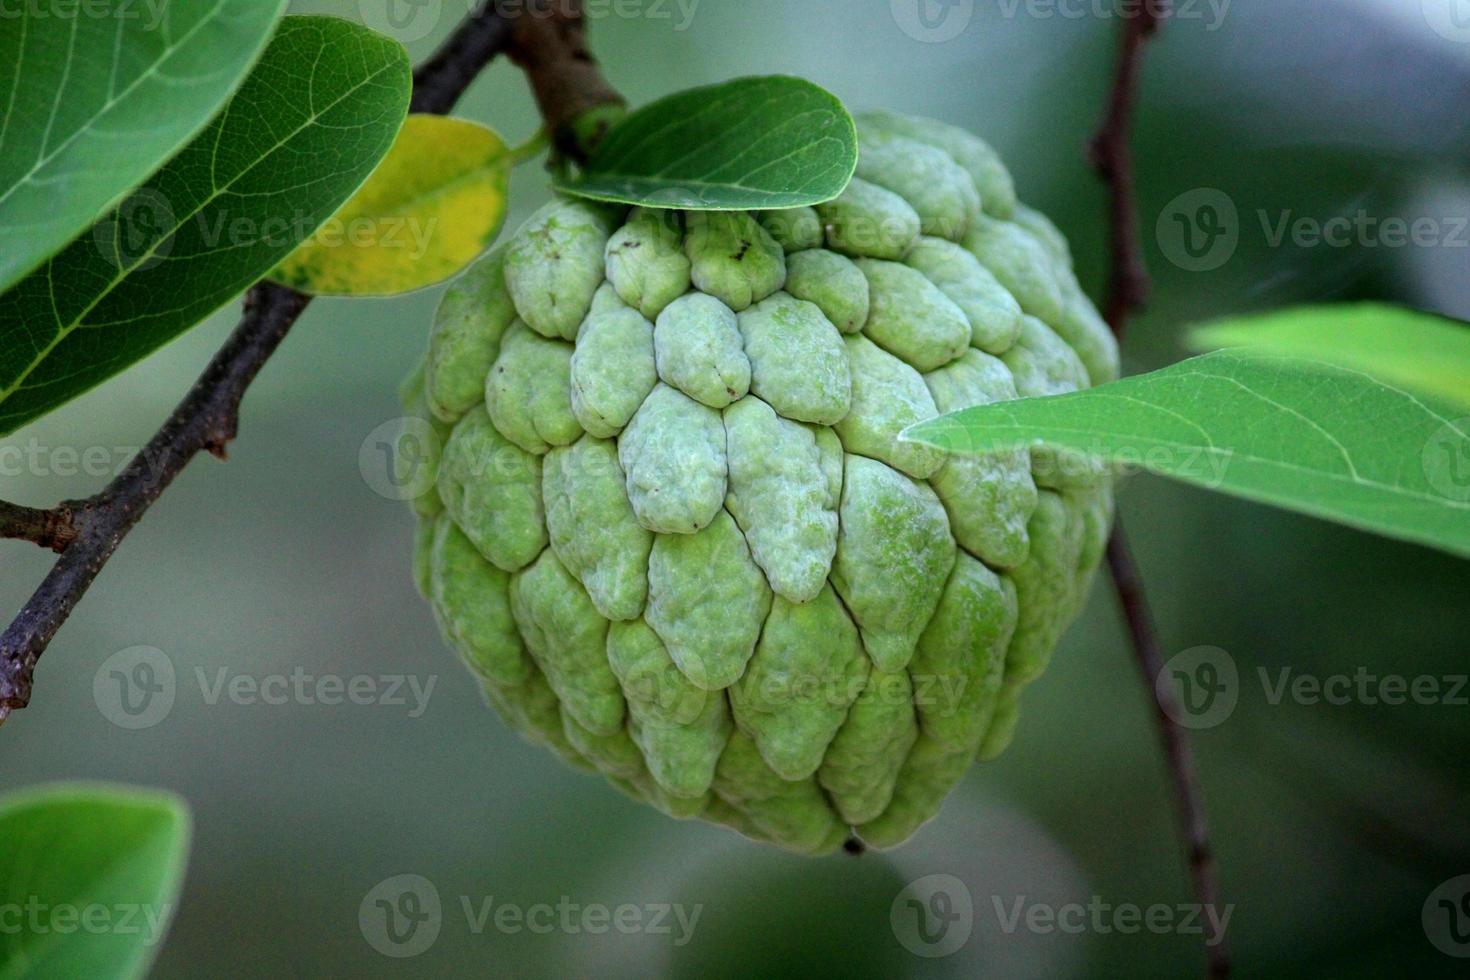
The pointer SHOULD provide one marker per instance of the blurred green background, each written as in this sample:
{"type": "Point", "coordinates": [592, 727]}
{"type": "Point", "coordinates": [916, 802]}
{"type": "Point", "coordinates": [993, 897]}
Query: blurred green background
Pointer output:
{"type": "Point", "coordinates": [1334, 823]}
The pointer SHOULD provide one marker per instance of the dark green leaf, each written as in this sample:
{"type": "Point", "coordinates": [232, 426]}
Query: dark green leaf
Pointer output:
{"type": "Point", "coordinates": [305, 130]}
{"type": "Point", "coordinates": [97, 103]}
{"type": "Point", "coordinates": [774, 142]}
{"type": "Point", "coordinates": [1417, 351]}
{"type": "Point", "coordinates": [1314, 438]}
{"type": "Point", "coordinates": [94, 876]}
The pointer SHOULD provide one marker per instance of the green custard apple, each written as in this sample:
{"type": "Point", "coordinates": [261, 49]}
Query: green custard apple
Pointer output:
{"type": "Point", "coordinates": [674, 531]}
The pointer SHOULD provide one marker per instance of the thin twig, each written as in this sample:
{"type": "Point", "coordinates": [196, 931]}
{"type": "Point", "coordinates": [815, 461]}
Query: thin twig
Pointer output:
{"type": "Point", "coordinates": [86, 533]}
{"type": "Point", "coordinates": [1111, 152]}
{"type": "Point", "coordinates": [53, 529]}
{"type": "Point", "coordinates": [1112, 156]}
{"type": "Point", "coordinates": [1182, 768]}
{"type": "Point", "coordinates": [204, 420]}
{"type": "Point", "coordinates": [443, 78]}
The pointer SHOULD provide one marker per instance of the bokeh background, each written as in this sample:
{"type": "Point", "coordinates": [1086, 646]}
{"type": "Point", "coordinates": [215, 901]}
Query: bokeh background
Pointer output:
{"type": "Point", "coordinates": [1334, 823]}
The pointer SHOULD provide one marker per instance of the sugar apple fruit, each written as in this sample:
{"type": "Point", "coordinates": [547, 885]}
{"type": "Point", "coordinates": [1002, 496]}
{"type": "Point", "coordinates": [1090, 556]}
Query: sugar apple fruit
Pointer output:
{"type": "Point", "coordinates": [674, 532]}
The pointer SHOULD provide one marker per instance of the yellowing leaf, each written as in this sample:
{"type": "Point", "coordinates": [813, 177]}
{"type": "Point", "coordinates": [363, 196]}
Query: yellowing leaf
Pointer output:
{"type": "Point", "coordinates": [433, 205]}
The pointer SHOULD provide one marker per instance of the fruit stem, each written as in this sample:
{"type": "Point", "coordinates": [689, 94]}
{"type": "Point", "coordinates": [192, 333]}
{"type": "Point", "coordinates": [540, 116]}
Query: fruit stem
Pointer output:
{"type": "Point", "coordinates": [549, 42]}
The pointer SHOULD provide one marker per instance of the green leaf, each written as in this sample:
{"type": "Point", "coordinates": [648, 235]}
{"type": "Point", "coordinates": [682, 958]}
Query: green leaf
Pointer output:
{"type": "Point", "coordinates": [432, 206]}
{"type": "Point", "coordinates": [773, 142]}
{"type": "Point", "coordinates": [1417, 351]}
{"type": "Point", "coordinates": [98, 102]}
{"type": "Point", "coordinates": [315, 116]}
{"type": "Point", "coordinates": [1323, 440]}
{"type": "Point", "coordinates": [92, 875]}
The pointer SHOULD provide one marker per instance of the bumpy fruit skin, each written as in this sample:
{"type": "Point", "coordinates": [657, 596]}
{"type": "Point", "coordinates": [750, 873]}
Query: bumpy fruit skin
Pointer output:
{"type": "Point", "coordinates": [675, 535]}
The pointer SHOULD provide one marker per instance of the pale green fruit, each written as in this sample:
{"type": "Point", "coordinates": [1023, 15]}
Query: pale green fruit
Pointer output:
{"type": "Point", "coordinates": [675, 533]}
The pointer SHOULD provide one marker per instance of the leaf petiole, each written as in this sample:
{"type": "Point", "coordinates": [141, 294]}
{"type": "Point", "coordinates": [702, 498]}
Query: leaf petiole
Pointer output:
{"type": "Point", "coordinates": [539, 142]}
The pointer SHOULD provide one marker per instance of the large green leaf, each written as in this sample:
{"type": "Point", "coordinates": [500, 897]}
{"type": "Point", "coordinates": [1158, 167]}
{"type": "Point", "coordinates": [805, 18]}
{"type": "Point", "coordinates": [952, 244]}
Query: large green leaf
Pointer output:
{"type": "Point", "coordinates": [89, 880]}
{"type": "Point", "coordinates": [774, 142]}
{"type": "Point", "coordinates": [99, 99]}
{"type": "Point", "coordinates": [1415, 350]}
{"type": "Point", "coordinates": [1315, 438]}
{"type": "Point", "coordinates": [321, 107]}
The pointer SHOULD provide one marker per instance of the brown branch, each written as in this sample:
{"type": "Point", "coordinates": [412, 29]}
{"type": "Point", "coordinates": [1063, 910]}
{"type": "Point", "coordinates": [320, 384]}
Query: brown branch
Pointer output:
{"type": "Point", "coordinates": [86, 533]}
{"type": "Point", "coordinates": [1183, 771]}
{"type": "Point", "coordinates": [549, 43]}
{"type": "Point", "coordinates": [1112, 156]}
{"type": "Point", "coordinates": [443, 78]}
{"type": "Point", "coordinates": [1111, 153]}
{"type": "Point", "coordinates": [204, 421]}
{"type": "Point", "coordinates": [53, 529]}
